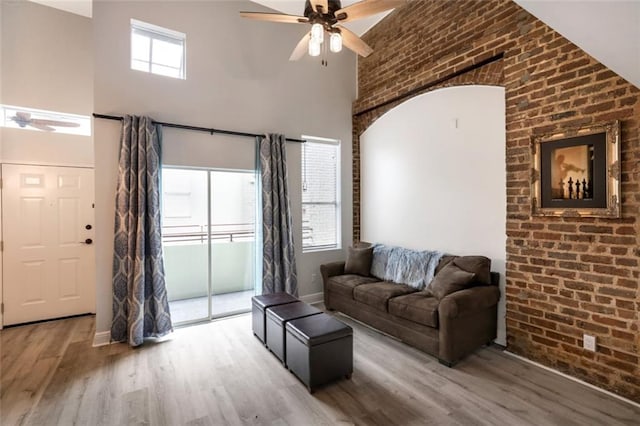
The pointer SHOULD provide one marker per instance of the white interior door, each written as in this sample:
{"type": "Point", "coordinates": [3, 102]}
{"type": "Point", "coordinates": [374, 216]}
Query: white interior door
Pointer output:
{"type": "Point", "coordinates": [48, 259]}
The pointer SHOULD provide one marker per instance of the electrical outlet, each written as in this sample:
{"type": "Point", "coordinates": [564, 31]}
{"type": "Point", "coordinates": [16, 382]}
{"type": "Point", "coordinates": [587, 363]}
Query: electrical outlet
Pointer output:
{"type": "Point", "coordinates": [589, 342]}
{"type": "Point", "coordinates": [314, 278]}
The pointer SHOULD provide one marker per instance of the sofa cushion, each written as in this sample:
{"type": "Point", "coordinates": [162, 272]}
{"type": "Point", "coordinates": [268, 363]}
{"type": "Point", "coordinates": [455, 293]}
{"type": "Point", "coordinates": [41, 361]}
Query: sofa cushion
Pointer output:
{"type": "Point", "coordinates": [358, 261]}
{"type": "Point", "coordinates": [450, 279]}
{"type": "Point", "coordinates": [344, 284]}
{"type": "Point", "coordinates": [416, 307]}
{"type": "Point", "coordinates": [444, 261]}
{"type": "Point", "coordinates": [479, 265]}
{"type": "Point", "coordinates": [378, 294]}
{"type": "Point", "coordinates": [379, 261]}
{"type": "Point", "coordinates": [412, 267]}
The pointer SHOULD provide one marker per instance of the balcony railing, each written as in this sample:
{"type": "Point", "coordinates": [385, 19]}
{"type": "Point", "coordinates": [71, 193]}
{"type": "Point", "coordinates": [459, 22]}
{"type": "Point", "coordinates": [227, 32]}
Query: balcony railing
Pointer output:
{"type": "Point", "coordinates": [222, 233]}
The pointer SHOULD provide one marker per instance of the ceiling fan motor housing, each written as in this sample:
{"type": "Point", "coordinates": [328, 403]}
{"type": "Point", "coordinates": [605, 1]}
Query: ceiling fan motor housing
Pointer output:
{"type": "Point", "coordinates": [326, 17]}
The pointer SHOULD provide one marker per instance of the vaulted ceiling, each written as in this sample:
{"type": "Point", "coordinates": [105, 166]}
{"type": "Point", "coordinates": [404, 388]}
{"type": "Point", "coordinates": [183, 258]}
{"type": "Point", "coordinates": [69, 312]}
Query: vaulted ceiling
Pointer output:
{"type": "Point", "coordinates": [607, 30]}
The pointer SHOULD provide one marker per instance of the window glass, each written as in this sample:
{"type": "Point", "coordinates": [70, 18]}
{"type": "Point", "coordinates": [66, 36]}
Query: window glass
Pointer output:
{"type": "Point", "coordinates": [320, 194]}
{"type": "Point", "coordinates": [157, 50]}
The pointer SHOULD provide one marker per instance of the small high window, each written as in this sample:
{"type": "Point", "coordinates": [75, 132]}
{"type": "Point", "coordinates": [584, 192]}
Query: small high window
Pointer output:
{"type": "Point", "coordinates": [157, 50]}
{"type": "Point", "coordinates": [320, 194]}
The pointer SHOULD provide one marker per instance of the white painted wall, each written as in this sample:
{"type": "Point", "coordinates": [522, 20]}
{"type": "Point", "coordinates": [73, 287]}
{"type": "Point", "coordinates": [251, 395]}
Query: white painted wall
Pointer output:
{"type": "Point", "coordinates": [238, 78]}
{"type": "Point", "coordinates": [47, 63]}
{"type": "Point", "coordinates": [1, 135]}
{"type": "Point", "coordinates": [433, 176]}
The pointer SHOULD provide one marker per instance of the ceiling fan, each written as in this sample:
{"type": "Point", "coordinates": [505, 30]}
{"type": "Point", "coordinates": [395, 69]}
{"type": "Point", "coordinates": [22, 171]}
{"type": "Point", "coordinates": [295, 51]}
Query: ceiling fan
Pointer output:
{"type": "Point", "coordinates": [325, 16]}
{"type": "Point", "coordinates": [24, 119]}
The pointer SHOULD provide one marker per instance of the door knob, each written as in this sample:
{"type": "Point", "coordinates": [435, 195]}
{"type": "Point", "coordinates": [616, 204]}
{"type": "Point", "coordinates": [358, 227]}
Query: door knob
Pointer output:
{"type": "Point", "coordinates": [87, 241]}
{"type": "Point", "coordinates": [87, 227]}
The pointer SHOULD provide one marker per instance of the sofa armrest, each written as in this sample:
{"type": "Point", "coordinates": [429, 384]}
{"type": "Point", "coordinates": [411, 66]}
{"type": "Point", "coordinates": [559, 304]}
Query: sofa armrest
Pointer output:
{"type": "Point", "coordinates": [468, 319]}
{"type": "Point", "coordinates": [468, 301]}
{"type": "Point", "coordinates": [329, 270]}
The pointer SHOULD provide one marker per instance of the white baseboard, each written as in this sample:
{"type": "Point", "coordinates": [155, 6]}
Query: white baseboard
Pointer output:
{"type": "Point", "coordinates": [102, 338]}
{"type": "Point", "coordinates": [575, 379]}
{"type": "Point", "coordinates": [312, 298]}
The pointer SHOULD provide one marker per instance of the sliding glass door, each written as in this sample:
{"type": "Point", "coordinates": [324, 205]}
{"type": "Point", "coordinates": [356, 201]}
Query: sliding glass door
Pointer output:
{"type": "Point", "coordinates": [209, 242]}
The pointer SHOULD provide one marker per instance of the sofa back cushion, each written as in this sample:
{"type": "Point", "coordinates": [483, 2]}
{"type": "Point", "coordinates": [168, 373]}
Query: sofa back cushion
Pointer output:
{"type": "Point", "coordinates": [411, 267]}
{"type": "Point", "coordinates": [359, 261]}
{"type": "Point", "coordinates": [451, 279]}
{"type": "Point", "coordinates": [479, 265]}
{"type": "Point", "coordinates": [379, 261]}
{"type": "Point", "coordinates": [444, 261]}
{"type": "Point", "coordinates": [404, 266]}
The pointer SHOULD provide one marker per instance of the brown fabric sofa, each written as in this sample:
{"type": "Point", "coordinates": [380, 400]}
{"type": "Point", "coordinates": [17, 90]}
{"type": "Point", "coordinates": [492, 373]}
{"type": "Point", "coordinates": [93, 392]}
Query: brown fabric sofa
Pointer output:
{"type": "Point", "coordinates": [449, 328]}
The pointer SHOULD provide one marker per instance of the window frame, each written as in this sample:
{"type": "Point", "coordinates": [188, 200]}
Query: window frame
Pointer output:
{"type": "Point", "coordinates": [83, 122]}
{"type": "Point", "coordinates": [338, 199]}
{"type": "Point", "coordinates": [155, 32]}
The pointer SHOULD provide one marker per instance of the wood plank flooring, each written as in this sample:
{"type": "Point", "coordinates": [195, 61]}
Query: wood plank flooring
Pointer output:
{"type": "Point", "coordinates": [219, 374]}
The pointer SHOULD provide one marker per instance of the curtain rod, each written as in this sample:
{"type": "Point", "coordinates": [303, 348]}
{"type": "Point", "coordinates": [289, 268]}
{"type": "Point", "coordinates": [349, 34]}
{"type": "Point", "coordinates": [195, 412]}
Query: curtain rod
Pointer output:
{"type": "Point", "coordinates": [196, 128]}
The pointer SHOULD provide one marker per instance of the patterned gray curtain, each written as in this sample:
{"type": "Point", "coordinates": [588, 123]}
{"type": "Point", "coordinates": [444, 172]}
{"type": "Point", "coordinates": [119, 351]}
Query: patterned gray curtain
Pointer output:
{"type": "Point", "coordinates": [278, 255]}
{"type": "Point", "coordinates": [140, 305]}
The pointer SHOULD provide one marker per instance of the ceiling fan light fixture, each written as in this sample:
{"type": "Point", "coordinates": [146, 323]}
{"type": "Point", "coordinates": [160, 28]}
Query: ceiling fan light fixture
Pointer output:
{"type": "Point", "coordinates": [317, 32]}
{"type": "Point", "coordinates": [314, 47]}
{"type": "Point", "coordinates": [335, 42]}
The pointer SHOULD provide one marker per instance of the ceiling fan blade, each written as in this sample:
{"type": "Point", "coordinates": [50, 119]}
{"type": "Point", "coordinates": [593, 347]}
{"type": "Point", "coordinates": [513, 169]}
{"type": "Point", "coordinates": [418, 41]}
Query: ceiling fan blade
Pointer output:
{"type": "Point", "coordinates": [42, 127]}
{"type": "Point", "coordinates": [275, 17]}
{"type": "Point", "coordinates": [301, 48]}
{"type": "Point", "coordinates": [320, 6]}
{"type": "Point", "coordinates": [355, 43]}
{"type": "Point", "coordinates": [41, 122]}
{"type": "Point", "coordinates": [366, 8]}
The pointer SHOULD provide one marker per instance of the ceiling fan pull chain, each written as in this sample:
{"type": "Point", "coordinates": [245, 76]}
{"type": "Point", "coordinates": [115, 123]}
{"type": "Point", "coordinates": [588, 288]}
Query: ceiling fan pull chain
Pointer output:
{"type": "Point", "coordinates": [324, 54]}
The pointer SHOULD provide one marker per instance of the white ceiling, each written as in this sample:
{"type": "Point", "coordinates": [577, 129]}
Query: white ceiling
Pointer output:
{"type": "Point", "coordinates": [79, 7]}
{"type": "Point", "coordinates": [608, 30]}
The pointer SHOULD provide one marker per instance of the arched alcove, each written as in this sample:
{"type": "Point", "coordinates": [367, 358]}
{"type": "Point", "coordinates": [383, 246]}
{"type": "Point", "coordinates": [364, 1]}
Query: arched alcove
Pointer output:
{"type": "Point", "coordinates": [432, 176]}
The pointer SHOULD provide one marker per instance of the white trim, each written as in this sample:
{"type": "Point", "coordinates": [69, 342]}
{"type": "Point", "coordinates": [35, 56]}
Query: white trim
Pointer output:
{"type": "Point", "coordinates": [155, 32]}
{"type": "Point", "coordinates": [566, 376]}
{"type": "Point", "coordinates": [312, 298]}
{"type": "Point", "coordinates": [157, 29]}
{"type": "Point", "coordinates": [102, 338]}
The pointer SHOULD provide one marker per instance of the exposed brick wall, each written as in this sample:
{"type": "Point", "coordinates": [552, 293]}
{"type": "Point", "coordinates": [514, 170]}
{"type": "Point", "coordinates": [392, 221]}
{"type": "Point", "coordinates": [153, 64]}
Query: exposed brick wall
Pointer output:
{"type": "Point", "coordinates": [565, 276]}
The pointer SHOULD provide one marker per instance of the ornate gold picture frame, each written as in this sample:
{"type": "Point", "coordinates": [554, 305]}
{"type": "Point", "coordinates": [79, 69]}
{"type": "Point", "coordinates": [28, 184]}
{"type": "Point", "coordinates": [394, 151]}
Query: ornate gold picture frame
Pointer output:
{"type": "Point", "coordinates": [576, 173]}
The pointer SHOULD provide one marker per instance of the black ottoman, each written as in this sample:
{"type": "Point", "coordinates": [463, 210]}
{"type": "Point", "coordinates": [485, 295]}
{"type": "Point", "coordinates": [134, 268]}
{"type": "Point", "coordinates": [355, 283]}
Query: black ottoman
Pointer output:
{"type": "Point", "coordinates": [277, 318]}
{"type": "Point", "coordinates": [258, 306]}
{"type": "Point", "coordinates": [319, 349]}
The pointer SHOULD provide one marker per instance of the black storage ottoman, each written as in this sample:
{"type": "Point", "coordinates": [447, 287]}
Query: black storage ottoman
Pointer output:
{"type": "Point", "coordinates": [277, 318]}
{"type": "Point", "coordinates": [319, 349]}
{"type": "Point", "coordinates": [258, 314]}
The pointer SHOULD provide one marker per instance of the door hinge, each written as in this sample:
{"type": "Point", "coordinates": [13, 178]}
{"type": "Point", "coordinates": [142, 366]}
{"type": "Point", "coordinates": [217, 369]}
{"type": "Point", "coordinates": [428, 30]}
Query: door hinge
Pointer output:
{"type": "Point", "coordinates": [1, 245]}
{"type": "Point", "coordinates": [2, 308]}
{"type": "Point", "coordinates": [0, 183]}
